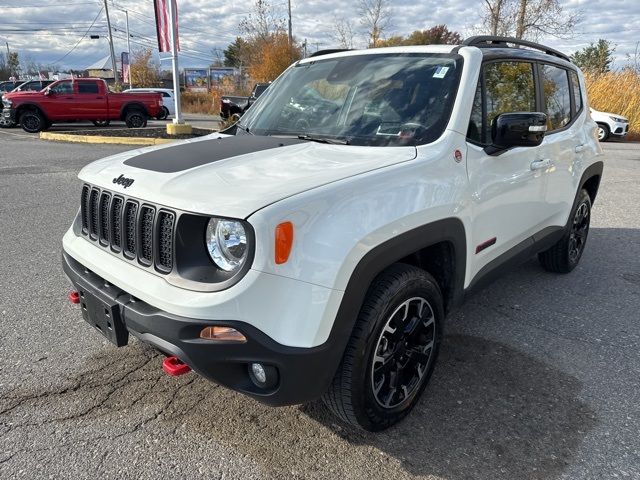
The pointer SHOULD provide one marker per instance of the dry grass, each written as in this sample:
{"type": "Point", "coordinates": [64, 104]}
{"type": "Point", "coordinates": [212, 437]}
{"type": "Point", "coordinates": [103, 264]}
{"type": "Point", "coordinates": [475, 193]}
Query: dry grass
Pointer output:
{"type": "Point", "coordinates": [209, 102]}
{"type": "Point", "coordinates": [617, 92]}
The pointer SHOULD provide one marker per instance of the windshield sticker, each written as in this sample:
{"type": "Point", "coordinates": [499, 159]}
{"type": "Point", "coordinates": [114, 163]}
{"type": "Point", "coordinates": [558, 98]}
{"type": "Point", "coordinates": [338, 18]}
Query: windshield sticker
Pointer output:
{"type": "Point", "coordinates": [440, 72]}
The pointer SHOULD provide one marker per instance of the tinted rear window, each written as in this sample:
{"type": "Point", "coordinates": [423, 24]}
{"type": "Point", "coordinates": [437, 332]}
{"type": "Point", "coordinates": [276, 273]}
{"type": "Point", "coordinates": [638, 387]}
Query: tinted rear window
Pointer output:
{"type": "Point", "coordinates": [87, 87]}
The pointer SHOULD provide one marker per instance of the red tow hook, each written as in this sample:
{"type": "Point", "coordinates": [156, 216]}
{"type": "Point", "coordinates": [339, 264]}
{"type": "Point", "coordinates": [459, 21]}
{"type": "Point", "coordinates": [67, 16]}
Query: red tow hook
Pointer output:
{"type": "Point", "coordinates": [74, 297]}
{"type": "Point", "coordinates": [174, 366]}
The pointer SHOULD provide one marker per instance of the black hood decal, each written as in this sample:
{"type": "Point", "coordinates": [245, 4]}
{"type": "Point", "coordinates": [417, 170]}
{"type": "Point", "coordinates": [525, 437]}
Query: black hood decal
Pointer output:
{"type": "Point", "coordinates": [190, 155]}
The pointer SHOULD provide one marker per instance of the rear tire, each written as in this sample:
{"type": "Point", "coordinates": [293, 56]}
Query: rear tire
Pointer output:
{"type": "Point", "coordinates": [32, 121]}
{"type": "Point", "coordinates": [603, 132]}
{"type": "Point", "coordinates": [135, 119]}
{"type": "Point", "coordinates": [566, 253]}
{"type": "Point", "coordinates": [392, 350]}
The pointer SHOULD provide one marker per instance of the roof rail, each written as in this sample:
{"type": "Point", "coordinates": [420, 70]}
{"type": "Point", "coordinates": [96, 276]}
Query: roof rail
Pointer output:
{"type": "Point", "coordinates": [328, 51]}
{"type": "Point", "coordinates": [484, 41]}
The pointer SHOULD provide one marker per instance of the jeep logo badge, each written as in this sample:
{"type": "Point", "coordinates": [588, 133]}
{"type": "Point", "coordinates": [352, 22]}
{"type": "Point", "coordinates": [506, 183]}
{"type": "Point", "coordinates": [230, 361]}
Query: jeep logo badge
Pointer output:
{"type": "Point", "coordinates": [124, 181]}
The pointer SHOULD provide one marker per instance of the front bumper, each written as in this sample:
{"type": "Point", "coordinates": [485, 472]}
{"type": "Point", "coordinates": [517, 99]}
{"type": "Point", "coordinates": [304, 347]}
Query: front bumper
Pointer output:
{"type": "Point", "coordinates": [8, 116]}
{"type": "Point", "coordinates": [620, 129]}
{"type": "Point", "coordinates": [303, 373]}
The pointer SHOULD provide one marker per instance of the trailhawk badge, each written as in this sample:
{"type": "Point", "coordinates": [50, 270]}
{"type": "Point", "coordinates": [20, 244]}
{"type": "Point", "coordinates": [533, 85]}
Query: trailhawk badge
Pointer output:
{"type": "Point", "coordinates": [124, 181]}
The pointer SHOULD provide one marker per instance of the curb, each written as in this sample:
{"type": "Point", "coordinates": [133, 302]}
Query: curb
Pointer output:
{"type": "Point", "coordinates": [66, 137]}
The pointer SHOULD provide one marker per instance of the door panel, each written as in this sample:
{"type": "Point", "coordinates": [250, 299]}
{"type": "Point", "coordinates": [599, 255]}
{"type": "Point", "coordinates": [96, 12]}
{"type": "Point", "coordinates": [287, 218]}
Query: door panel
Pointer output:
{"type": "Point", "coordinates": [508, 190]}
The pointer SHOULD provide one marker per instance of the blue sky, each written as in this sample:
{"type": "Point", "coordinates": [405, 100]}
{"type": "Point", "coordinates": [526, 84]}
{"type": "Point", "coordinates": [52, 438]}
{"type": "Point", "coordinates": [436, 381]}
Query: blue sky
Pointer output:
{"type": "Point", "coordinates": [48, 31]}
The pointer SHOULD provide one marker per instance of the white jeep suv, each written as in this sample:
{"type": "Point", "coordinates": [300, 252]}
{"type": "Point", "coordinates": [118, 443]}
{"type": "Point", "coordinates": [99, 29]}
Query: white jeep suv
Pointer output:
{"type": "Point", "coordinates": [314, 248]}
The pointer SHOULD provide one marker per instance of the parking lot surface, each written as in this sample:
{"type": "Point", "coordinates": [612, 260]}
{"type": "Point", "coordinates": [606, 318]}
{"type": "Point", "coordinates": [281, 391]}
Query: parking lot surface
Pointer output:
{"type": "Point", "coordinates": [539, 374]}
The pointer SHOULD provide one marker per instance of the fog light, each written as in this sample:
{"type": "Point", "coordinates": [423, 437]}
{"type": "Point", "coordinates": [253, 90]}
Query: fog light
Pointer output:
{"type": "Point", "coordinates": [224, 334]}
{"type": "Point", "coordinates": [263, 376]}
{"type": "Point", "coordinates": [258, 372]}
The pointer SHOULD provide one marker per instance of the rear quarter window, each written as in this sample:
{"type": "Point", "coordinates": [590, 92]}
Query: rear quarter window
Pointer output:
{"type": "Point", "coordinates": [577, 93]}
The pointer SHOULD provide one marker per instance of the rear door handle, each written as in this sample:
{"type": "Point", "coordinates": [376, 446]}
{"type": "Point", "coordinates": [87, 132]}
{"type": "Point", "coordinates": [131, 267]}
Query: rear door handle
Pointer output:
{"type": "Point", "coordinates": [541, 164]}
{"type": "Point", "coordinates": [580, 148]}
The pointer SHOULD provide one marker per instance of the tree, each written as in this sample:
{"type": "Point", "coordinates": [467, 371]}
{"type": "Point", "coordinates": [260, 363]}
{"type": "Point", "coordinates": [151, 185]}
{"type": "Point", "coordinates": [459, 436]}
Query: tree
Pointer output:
{"type": "Point", "coordinates": [343, 34]}
{"type": "Point", "coordinates": [4, 68]}
{"type": "Point", "coordinates": [596, 58]}
{"type": "Point", "coordinates": [237, 53]}
{"type": "Point", "coordinates": [13, 63]}
{"type": "Point", "coordinates": [145, 72]}
{"type": "Point", "coordinates": [528, 18]}
{"type": "Point", "coordinates": [375, 17]}
{"type": "Point", "coordinates": [262, 22]}
{"type": "Point", "coordinates": [273, 57]}
{"type": "Point", "coordinates": [438, 35]}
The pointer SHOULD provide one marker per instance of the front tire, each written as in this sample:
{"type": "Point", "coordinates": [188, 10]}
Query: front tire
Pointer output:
{"type": "Point", "coordinates": [164, 113]}
{"type": "Point", "coordinates": [136, 119]}
{"type": "Point", "coordinates": [566, 253]}
{"type": "Point", "coordinates": [392, 350]}
{"type": "Point", "coordinates": [603, 132]}
{"type": "Point", "coordinates": [33, 121]}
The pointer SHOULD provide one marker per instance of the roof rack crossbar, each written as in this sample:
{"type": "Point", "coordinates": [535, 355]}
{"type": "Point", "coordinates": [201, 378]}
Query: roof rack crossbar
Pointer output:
{"type": "Point", "coordinates": [484, 41]}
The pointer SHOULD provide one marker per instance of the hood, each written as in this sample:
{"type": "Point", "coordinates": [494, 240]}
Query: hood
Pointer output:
{"type": "Point", "coordinates": [12, 95]}
{"type": "Point", "coordinates": [237, 175]}
{"type": "Point", "coordinates": [596, 114]}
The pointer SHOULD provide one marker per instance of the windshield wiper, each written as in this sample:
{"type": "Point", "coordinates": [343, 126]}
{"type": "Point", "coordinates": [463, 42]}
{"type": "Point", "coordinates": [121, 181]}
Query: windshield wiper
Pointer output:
{"type": "Point", "coordinates": [331, 141]}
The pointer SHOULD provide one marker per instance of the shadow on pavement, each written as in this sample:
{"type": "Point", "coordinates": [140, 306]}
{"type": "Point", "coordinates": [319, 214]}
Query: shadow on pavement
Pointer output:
{"type": "Point", "coordinates": [489, 412]}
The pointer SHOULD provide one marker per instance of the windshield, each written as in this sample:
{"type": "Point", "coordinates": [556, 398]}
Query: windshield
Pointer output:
{"type": "Point", "coordinates": [378, 99]}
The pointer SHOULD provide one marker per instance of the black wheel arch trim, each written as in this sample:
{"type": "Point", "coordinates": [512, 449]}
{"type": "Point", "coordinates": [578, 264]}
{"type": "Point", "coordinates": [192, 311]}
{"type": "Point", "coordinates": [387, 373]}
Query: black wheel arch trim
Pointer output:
{"type": "Point", "coordinates": [449, 230]}
{"type": "Point", "coordinates": [29, 106]}
{"type": "Point", "coordinates": [592, 171]}
{"type": "Point", "coordinates": [133, 106]}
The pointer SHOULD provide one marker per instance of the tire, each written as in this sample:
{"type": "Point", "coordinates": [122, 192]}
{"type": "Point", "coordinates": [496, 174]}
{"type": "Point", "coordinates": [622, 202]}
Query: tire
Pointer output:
{"type": "Point", "coordinates": [135, 119]}
{"type": "Point", "coordinates": [603, 132]}
{"type": "Point", "coordinates": [365, 391]}
{"type": "Point", "coordinates": [164, 113]}
{"type": "Point", "coordinates": [32, 121]}
{"type": "Point", "coordinates": [566, 253]}
{"type": "Point", "coordinates": [101, 123]}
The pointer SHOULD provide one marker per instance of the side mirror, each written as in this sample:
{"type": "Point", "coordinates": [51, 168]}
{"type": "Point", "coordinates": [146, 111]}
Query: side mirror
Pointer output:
{"type": "Point", "coordinates": [517, 129]}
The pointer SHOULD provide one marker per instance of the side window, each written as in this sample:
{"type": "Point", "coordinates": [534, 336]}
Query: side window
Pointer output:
{"type": "Point", "coordinates": [508, 87]}
{"type": "Point", "coordinates": [577, 94]}
{"type": "Point", "coordinates": [165, 94]}
{"type": "Point", "coordinates": [63, 88]}
{"type": "Point", "coordinates": [85, 87]}
{"type": "Point", "coordinates": [555, 83]}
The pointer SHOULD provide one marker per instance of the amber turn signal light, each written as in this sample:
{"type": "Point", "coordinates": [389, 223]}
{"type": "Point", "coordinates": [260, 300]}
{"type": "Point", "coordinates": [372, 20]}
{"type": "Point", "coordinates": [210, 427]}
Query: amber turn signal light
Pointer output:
{"type": "Point", "coordinates": [284, 241]}
{"type": "Point", "coordinates": [222, 334]}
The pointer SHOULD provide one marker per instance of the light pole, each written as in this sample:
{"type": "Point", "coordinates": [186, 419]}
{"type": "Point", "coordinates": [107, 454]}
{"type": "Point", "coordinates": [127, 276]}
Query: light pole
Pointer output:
{"type": "Point", "coordinates": [114, 65]}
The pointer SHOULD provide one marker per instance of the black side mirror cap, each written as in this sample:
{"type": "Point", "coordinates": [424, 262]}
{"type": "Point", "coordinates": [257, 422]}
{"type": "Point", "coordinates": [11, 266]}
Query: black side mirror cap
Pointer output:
{"type": "Point", "coordinates": [517, 129]}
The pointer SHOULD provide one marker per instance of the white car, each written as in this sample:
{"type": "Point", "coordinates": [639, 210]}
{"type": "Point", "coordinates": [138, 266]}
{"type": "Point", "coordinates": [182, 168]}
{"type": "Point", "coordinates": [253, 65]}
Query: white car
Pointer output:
{"type": "Point", "coordinates": [168, 101]}
{"type": "Point", "coordinates": [314, 248]}
{"type": "Point", "coordinates": [610, 125]}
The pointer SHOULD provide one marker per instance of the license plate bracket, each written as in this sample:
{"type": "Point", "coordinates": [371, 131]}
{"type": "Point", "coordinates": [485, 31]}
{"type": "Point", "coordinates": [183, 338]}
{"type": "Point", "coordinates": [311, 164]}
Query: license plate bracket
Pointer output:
{"type": "Point", "coordinates": [104, 317]}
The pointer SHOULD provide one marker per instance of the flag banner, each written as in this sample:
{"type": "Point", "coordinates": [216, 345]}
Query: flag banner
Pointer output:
{"type": "Point", "coordinates": [163, 31]}
{"type": "Point", "coordinates": [126, 70]}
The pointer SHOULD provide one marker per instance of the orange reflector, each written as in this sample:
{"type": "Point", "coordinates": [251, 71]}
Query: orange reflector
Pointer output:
{"type": "Point", "coordinates": [224, 334]}
{"type": "Point", "coordinates": [284, 241]}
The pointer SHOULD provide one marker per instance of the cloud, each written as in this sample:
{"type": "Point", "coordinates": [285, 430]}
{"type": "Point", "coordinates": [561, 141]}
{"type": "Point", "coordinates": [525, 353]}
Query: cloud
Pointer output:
{"type": "Point", "coordinates": [47, 31]}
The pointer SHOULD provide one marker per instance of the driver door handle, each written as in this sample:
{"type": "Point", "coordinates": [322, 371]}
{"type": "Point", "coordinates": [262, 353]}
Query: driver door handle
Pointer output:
{"type": "Point", "coordinates": [541, 164]}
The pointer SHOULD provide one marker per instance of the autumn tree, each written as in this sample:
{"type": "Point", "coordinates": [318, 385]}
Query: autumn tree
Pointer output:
{"type": "Point", "coordinates": [528, 19]}
{"type": "Point", "coordinates": [145, 71]}
{"type": "Point", "coordinates": [596, 58]}
{"type": "Point", "coordinates": [438, 35]}
{"type": "Point", "coordinates": [375, 17]}
{"type": "Point", "coordinates": [265, 48]}
{"type": "Point", "coordinates": [273, 57]}
{"type": "Point", "coordinates": [13, 64]}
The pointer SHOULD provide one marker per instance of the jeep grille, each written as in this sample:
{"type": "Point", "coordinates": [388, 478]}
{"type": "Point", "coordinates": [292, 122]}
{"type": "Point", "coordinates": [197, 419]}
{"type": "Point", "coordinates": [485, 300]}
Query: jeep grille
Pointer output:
{"type": "Point", "coordinates": [136, 230]}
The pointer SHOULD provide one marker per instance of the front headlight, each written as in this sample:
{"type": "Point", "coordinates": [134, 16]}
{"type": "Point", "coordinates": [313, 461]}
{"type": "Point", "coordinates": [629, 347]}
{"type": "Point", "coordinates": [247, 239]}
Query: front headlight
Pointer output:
{"type": "Point", "coordinates": [227, 243]}
{"type": "Point", "coordinates": [618, 119]}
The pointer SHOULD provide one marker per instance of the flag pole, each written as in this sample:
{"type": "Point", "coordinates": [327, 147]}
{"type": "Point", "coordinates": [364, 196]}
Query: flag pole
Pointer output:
{"type": "Point", "coordinates": [177, 119]}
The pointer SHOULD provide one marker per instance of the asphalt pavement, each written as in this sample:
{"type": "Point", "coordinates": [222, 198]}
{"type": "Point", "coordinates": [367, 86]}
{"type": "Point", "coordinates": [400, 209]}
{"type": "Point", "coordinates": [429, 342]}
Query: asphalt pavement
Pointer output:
{"type": "Point", "coordinates": [539, 374]}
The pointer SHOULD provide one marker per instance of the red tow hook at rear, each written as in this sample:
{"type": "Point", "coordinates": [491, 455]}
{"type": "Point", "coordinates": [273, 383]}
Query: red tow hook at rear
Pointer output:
{"type": "Point", "coordinates": [74, 297]}
{"type": "Point", "coordinates": [174, 366]}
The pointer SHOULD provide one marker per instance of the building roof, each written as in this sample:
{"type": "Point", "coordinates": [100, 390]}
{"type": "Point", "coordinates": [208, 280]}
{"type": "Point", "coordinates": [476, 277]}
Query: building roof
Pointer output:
{"type": "Point", "coordinates": [103, 64]}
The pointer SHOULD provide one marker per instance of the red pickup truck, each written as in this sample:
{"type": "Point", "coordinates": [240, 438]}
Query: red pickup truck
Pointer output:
{"type": "Point", "coordinates": [78, 99]}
